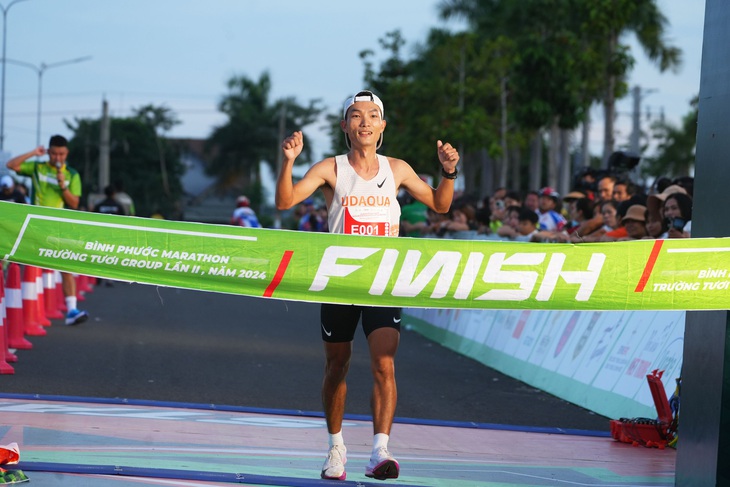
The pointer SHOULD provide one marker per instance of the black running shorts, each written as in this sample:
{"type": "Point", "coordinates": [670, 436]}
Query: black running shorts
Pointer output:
{"type": "Point", "coordinates": [339, 321]}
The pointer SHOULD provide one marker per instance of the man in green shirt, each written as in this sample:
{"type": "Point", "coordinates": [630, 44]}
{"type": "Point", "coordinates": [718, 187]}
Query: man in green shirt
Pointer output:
{"type": "Point", "coordinates": [58, 186]}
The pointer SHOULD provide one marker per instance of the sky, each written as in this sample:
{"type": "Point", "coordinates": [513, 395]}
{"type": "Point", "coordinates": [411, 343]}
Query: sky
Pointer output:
{"type": "Point", "coordinates": [181, 53]}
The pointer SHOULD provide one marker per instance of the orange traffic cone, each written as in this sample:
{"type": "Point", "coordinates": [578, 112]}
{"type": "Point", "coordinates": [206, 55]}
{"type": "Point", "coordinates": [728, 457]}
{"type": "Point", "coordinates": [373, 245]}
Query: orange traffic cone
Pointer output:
{"type": "Point", "coordinates": [14, 310]}
{"type": "Point", "coordinates": [5, 367]}
{"type": "Point", "coordinates": [79, 291]}
{"type": "Point", "coordinates": [84, 284]}
{"type": "Point", "coordinates": [10, 357]}
{"type": "Point", "coordinates": [49, 290]}
{"type": "Point", "coordinates": [41, 301]}
{"type": "Point", "coordinates": [29, 289]}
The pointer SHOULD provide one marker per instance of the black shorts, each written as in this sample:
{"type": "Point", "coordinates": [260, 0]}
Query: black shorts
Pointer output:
{"type": "Point", "coordinates": [339, 321]}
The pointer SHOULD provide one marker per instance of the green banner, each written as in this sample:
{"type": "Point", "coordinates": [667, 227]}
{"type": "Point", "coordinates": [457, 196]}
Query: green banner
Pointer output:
{"type": "Point", "coordinates": [677, 274]}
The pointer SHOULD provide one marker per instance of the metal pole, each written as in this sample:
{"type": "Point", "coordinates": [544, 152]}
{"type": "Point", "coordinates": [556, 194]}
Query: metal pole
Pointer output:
{"type": "Point", "coordinates": [40, 70]}
{"type": "Point", "coordinates": [104, 148]}
{"type": "Point", "coordinates": [635, 121]}
{"type": "Point", "coordinates": [2, 95]}
{"type": "Point", "coordinates": [38, 115]}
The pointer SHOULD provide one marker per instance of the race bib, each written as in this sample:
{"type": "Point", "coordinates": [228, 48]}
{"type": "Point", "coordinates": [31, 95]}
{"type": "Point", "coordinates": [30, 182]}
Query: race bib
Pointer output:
{"type": "Point", "coordinates": [371, 221]}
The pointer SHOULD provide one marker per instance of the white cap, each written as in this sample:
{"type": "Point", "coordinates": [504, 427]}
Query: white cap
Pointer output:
{"type": "Point", "coordinates": [364, 95]}
{"type": "Point", "coordinates": [6, 182]}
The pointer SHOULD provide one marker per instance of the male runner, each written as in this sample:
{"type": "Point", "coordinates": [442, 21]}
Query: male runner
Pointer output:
{"type": "Point", "coordinates": [58, 186]}
{"type": "Point", "coordinates": [360, 190]}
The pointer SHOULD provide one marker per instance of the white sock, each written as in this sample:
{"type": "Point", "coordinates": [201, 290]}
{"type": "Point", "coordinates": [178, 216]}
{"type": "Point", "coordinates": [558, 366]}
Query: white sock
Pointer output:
{"type": "Point", "coordinates": [380, 440]}
{"type": "Point", "coordinates": [71, 302]}
{"type": "Point", "coordinates": [336, 439]}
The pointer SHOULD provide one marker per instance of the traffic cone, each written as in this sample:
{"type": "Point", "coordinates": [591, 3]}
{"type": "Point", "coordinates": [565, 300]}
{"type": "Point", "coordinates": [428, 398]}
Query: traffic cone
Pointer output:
{"type": "Point", "coordinates": [29, 290]}
{"type": "Point", "coordinates": [49, 290]}
{"type": "Point", "coordinates": [14, 310]}
{"type": "Point", "coordinates": [79, 292]}
{"type": "Point", "coordinates": [60, 297]}
{"type": "Point", "coordinates": [42, 318]}
{"type": "Point", "coordinates": [84, 284]}
{"type": "Point", "coordinates": [9, 356]}
{"type": "Point", "coordinates": [5, 367]}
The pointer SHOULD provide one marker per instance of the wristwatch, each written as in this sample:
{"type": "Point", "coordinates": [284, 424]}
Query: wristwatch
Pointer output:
{"type": "Point", "coordinates": [63, 185]}
{"type": "Point", "coordinates": [449, 175]}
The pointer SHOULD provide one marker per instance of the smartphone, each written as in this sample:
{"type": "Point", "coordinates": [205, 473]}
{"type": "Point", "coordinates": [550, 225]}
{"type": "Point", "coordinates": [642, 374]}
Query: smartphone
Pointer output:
{"type": "Point", "coordinates": [676, 223]}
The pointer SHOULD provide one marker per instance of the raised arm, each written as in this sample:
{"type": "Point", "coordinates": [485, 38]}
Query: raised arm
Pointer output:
{"type": "Point", "coordinates": [289, 194]}
{"type": "Point", "coordinates": [16, 161]}
{"type": "Point", "coordinates": [440, 198]}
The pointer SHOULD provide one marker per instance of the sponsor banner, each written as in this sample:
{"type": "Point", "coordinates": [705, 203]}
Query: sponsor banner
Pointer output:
{"type": "Point", "coordinates": [678, 274]}
{"type": "Point", "coordinates": [596, 359]}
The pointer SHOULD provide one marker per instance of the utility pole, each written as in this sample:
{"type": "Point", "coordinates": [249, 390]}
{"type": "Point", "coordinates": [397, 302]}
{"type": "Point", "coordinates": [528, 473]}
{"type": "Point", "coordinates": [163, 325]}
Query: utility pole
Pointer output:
{"type": "Point", "coordinates": [635, 139]}
{"type": "Point", "coordinates": [2, 95]}
{"type": "Point", "coordinates": [104, 147]}
{"type": "Point", "coordinates": [39, 70]}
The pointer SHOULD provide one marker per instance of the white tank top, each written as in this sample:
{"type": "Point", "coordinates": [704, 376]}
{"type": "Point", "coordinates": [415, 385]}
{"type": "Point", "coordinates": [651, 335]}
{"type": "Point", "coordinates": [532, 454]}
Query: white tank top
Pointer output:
{"type": "Point", "coordinates": [362, 207]}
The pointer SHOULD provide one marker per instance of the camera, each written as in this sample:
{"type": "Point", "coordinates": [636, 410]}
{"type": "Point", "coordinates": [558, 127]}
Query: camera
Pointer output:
{"type": "Point", "coordinates": [623, 161]}
{"type": "Point", "coordinates": [620, 163]}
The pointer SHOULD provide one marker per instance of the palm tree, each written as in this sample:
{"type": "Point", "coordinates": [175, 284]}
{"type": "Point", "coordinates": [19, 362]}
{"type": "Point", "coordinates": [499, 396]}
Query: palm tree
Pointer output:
{"type": "Point", "coordinates": [615, 18]}
{"type": "Point", "coordinates": [252, 132]}
{"type": "Point", "coordinates": [599, 23]}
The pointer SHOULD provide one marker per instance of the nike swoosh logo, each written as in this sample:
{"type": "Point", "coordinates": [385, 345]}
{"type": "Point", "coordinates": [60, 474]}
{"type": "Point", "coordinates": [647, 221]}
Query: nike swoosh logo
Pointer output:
{"type": "Point", "coordinates": [381, 184]}
{"type": "Point", "coordinates": [396, 320]}
{"type": "Point", "coordinates": [328, 333]}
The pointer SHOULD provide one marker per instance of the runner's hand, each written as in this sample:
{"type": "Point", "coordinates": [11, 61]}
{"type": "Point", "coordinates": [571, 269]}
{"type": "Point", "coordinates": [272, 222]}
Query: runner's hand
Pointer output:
{"type": "Point", "coordinates": [293, 145]}
{"type": "Point", "coordinates": [448, 156]}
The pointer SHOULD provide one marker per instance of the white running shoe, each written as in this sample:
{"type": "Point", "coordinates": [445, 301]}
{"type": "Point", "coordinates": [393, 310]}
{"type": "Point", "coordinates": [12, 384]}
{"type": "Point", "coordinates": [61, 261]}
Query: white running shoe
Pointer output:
{"type": "Point", "coordinates": [334, 465]}
{"type": "Point", "coordinates": [382, 465]}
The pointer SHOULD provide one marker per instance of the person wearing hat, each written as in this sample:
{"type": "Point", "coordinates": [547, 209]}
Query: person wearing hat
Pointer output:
{"type": "Point", "coordinates": [8, 191]}
{"type": "Point", "coordinates": [655, 201]}
{"type": "Point", "coordinates": [360, 190]}
{"type": "Point", "coordinates": [550, 219]}
{"type": "Point", "coordinates": [55, 185]}
{"type": "Point", "coordinates": [635, 222]}
{"type": "Point", "coordinates": [243, 215]}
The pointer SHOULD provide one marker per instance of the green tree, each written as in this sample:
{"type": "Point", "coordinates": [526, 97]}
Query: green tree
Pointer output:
{"type": "Point", "coordinates": [553, 76]}
{"type": "Point", "coordinates": [569, 53]}
{"type": "Point", "coordinates": [134, 161]}
{"type": "Point", "coordinates": [449, 90]}
{"type": "Point", "coordinates": [161, 119]}
{"type": "Point", "coordinates": [253, 131]}
{"type": "Point", "coordinates": [609, 21]}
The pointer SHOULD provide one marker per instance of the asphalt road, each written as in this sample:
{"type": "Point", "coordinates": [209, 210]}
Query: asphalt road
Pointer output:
{"type": "Point", "coordinates": [165, 344]}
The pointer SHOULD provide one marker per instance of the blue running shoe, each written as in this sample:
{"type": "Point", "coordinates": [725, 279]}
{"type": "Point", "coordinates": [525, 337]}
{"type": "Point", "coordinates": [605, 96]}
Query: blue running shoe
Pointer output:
{"type": "Point", "coordinates": [75, 316]}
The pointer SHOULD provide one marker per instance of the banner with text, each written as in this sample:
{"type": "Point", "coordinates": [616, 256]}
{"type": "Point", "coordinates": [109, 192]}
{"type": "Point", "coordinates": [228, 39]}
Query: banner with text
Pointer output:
{"type": "Point", "coordinates": [678, 274]}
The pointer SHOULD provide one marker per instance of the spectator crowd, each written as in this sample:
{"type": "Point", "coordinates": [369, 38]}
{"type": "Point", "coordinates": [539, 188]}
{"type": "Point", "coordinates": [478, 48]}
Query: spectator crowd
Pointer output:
{"type": "Point", "coordinates": [610, 208]}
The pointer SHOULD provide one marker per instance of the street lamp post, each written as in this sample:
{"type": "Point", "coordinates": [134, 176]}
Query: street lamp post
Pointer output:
{"type": "Point", "coordinates": [2, 95]}
{"type": "Point", "coordinates": [42, 68]}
